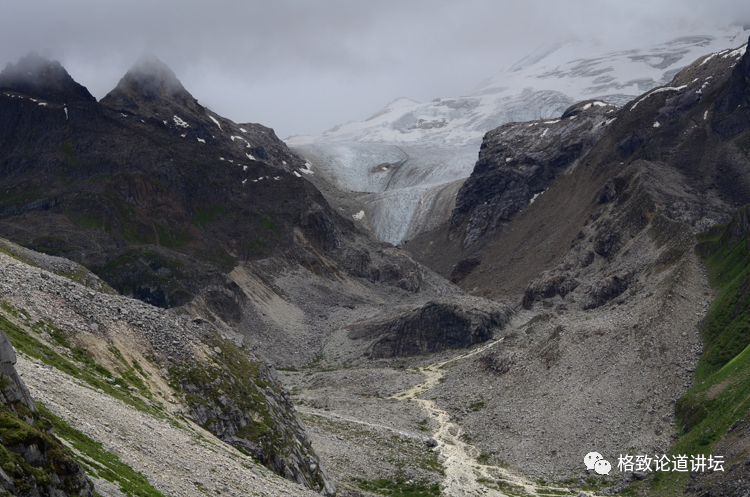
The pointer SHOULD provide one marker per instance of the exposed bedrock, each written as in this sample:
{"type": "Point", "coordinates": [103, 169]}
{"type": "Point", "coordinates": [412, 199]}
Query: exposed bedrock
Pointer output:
{"type": "Point", "coordinates": [433, 327]}
{"type": "Point", "coordinates": [520, 160]}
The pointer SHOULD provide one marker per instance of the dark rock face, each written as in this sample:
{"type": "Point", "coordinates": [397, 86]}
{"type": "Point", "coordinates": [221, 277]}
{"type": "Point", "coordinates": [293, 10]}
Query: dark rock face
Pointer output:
{"type": "Point", "coordinates": [548, 286]}
{"type": "Point", "coordinates": [663, 157]}
{"type": "Point", "coordinates": [43, 79]}
{"type": "Point", "coordinates": [605, 290]}
{"type": "Point", "coordinates": [161, 197]}
{"type": "Point", "coordinates": [520, 160]}
{"type": "Point", "coordinates": [33, 446]}
{"type": "Point", "coordinates": [628, 145]}
{"type": "Point", "coordinates": [15, 390]}
{"type": "Point", "coordinates": [733, 108]}
{"type": "Point", "coordinates": [463, 268]}
{"type": "Point", "coordinates": [432, 328]}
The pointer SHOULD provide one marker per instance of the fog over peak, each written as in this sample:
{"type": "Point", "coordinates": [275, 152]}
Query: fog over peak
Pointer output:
{"type": "Point", "coordinates": [151, 71]}
{"type": "Point", "coordinates": [303, 67]}
{"type": "Point", "coordinates": [40, 77]}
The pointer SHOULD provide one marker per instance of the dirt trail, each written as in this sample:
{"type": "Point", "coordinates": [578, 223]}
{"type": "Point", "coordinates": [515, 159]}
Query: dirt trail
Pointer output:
{"type": "Point", "coordinates": [464, 476]}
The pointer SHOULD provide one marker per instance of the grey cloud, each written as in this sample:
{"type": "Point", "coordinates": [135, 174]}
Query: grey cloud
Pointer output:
{"type": "Point", "coordinates": [303, 66]}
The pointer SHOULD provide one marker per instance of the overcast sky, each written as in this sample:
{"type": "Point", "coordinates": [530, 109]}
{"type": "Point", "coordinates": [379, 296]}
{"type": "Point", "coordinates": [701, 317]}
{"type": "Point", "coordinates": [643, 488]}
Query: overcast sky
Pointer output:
{"type": "Point", "coordinates": [304, 66]}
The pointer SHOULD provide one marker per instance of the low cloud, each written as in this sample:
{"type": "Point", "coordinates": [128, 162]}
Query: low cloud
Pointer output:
{"type": "Point", "coordinates": [302, 67]}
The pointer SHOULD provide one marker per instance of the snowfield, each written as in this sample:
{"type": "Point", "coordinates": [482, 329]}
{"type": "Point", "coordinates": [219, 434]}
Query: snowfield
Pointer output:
{"type": "Point", "coordinates": [410, 155]}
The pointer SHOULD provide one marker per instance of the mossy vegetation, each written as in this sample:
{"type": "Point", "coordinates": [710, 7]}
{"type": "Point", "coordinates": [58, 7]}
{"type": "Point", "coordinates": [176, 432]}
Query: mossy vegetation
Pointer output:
{"type": "Point", "coordinates": [50, 245]}
{"type": "Point", "coordinates": [173, 237]}
{"type": "Point", "coordinates": [229, 382]}
{"type": "Point", "coordinates": [75, 362]}
{"type": "Point", "coordinates": [149, 275]}
{"type": "Point", "coordinates": [98, 462]}
{"type": "Point", "coordinates": [721, 395]}
{"type": "Point", "coordinates": [68, 154]}
{"type": "Point", "coordinates": [399, 488]}
{"type": "Point", "coordinates": [16, 432]}
{"type": "Point", "coordinates": [21, 428]}
{"type": "Point", "coordinates": [727, 330]}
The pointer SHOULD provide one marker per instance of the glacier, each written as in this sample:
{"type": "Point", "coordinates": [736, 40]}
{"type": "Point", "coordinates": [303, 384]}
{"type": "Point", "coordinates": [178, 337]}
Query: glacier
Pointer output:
{"type": "Point", "coordinates": [407, 161]}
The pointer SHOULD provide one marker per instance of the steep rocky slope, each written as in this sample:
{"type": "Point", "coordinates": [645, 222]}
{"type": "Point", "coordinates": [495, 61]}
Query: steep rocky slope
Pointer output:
{"type": "Point", "coordinates": [166, 201]}
{"type": "Point", "coordinates": [163, 364]}
{"type": "Point", "coordinates": [151, 190]}
{"type": "Point", "coordinates": [90, 182]}
{"type": "Point", "coordinates": [185, 210]}
{"type": "Point", "coordinates": [610, 300]}
{"type": "Point", "coordinates": [668, 135]}
{"type": "Point", "coordinates": [519, 161]}
{"type": "Point", "coordinates": [588, 231]}
{"type": "Point", "coordinates": [611, 295]}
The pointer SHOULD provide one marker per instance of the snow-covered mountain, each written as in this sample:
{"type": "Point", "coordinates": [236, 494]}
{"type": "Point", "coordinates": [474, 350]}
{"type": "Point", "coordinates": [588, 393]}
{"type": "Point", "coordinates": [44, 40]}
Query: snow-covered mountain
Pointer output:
{"type": "Point", "coordinates": [412, 156]}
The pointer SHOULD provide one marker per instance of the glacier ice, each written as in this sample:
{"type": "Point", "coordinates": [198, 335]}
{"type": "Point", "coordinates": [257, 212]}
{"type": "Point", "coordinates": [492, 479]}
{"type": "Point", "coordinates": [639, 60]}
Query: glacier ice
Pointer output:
{"type": "Point", "coordinates": [410, 158]}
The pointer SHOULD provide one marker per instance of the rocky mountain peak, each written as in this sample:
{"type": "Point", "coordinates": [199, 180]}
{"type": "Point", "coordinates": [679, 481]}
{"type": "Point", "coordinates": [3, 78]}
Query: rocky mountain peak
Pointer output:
{"type": "Point", "coordinates": [150, 88]}
{"type": "Point", "coordinates": [39, 77]}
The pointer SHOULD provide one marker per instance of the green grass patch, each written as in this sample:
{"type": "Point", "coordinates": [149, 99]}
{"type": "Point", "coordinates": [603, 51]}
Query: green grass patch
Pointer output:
{"type": "Point", "coordinates": [268, 224]}
{"type": "Point", "coordinates": [15, 431]}
{"type": "Point", "coordinates": [399, 487]}
{"type": "Point", "coordinates": [101, 463]}
{"type": "Point", "coordinates": [23, 428]}
{"type": "Point", "coordinates": [76, 362]}
{"type": "Point", "coordinates": [230, 381]}
{"type": "Point", "coordinates": [727, 330]}
{"type": "Point", "coordinates": [708, 409]}
{"type": "Point", "coordinates": [721, 395]}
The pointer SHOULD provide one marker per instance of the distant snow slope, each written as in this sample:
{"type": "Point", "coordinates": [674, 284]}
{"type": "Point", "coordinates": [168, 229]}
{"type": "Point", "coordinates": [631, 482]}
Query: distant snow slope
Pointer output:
{"type": "Point", "coordinates": [426, 149]}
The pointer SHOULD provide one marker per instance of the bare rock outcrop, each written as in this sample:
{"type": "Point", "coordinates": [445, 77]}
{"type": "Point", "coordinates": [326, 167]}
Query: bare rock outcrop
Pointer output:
{"type": "Point", "coordinates": [433, 327]}
{"type": "Point", "coordinates": [244, 404]}
{"type": "Point", "coordinates": [520, 160]}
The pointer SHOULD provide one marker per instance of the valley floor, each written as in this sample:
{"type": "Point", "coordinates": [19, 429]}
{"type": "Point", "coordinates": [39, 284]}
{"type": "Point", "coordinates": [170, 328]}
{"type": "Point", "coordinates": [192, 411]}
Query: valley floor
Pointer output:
{"type": "Point", "coordinates": [566, 392]}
